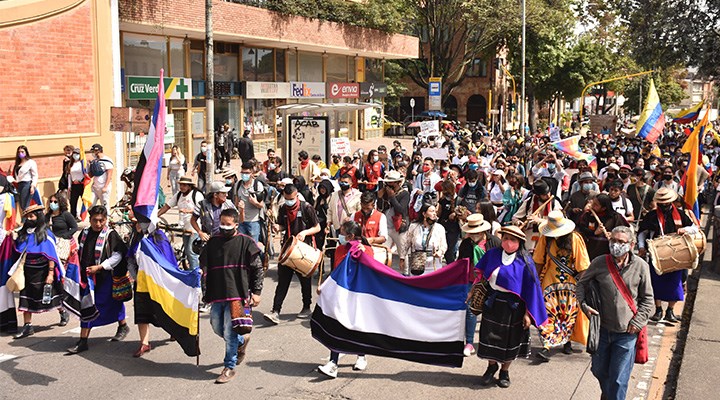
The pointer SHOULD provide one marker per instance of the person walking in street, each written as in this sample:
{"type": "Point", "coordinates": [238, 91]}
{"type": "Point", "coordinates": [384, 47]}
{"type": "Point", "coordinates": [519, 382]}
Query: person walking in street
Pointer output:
{"type": "Point", "coordinates": [234, 284]}
{"type": "Point", "coordinates": [425, 245]}
{"type": "Point", "coordinates": [299, 221]}
{"type": "Point", "coordinates": [250, 201]}
{"type": "Point", "coordinates": [449, 219]}
{"type": "Point", "coordinates": [77, 182]}
{"type": "Point", "coordinates": [374, 170]}
{"type": "Point", "coordinates": [200, 166]}
{"type": "Point", "coordinates": [514, 302]}
{"type": "Point", "coordinates": [25, 172]}
{"type": "Point", "coordinates": [560, 257]}
{"type": "Point", "coordinates": [43, 287]}
{"type": "Point", "coordinates": [615, 273]}
{"type": "Point", "coordinates": [176, 168]}
{"type": "Point", "coordinates": [185, 200]}
{"type": "Point", "coordinates": [393, 201]}
{"type": "Point", "coordinates": [246, 149]}
{"type": "Point", "coordinates": [101, 169]}
{"type": "Point", "coordinates": [101, 252]}
{"type": "Point", "coordinates": [533, 209]}
{"type": "Point", "coordinates": [206, 216]}
{"type": "Point", "coordinates": [306, 168]}
{"type": "Point", "coordinates": [596, 230]}
{"type": "Point", "coordinates": [372, 221]}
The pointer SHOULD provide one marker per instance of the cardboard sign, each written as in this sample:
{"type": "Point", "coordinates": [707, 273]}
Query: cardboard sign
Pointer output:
{"type": "Point", "coordinates": [428, 128]}
{"type": "Point", "coordinates": [340, 146]}
{"type": "Point", "coordinates": [436, 154]}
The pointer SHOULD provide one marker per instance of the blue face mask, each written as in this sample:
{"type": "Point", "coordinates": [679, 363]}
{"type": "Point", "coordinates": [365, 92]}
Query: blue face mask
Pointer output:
{"type": "Point", "coordinates": [341, 239]}
{"type": "Point", "coordinates": [54, 206]}
{"type": "Point", "coordinates": [473, 166]}
{"type": "Point", "coordinates": [245, 177]}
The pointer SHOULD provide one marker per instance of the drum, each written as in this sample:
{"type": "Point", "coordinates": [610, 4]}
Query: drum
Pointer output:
{"type": "Point", "coordinates": [700, 241]}
{"type": "Point", "coordinates": [382, 254]}
{"type": "Point", "coordinates": [672, 253]}
{"type": "Point", "coordinates": [300, 256]}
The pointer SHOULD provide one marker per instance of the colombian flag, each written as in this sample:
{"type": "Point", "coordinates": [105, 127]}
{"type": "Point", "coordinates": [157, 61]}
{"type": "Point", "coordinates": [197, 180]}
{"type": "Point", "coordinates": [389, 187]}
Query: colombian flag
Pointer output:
{"type": "Point", "coordinates": [689, 115]}
{"type": "Point", "coordinates": [87, 196]}
{"type": "Point", "coordinates": [652, 120]}
{"type": "Point", "coordinates": [692, 146]}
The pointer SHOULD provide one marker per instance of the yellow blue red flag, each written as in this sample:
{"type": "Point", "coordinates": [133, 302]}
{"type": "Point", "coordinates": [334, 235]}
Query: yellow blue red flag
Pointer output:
{"type": "Point", "coordinates": [692, 146]}
{"type": "Point", "coordinates": [652, 120]}
{"type": "Point", "coordinates": [688, 115]}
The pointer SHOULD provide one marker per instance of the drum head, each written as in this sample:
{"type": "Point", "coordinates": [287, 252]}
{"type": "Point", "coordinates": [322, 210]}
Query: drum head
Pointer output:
{"type": "Point", "coordinates": [286, 250]}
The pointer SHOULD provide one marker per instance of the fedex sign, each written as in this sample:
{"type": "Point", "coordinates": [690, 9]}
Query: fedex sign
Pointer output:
{"type": "Point", "coordinates": [300, 90]}
{"type": "Point", "coordinates": [342, 90]}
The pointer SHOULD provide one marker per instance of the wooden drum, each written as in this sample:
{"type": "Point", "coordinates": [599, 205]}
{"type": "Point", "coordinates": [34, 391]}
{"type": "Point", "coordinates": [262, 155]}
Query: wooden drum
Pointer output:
{"type": "Point", "coordinates": [300, 256]}
{"type": "Point", "coordinates": [672, 253]}
{"type": "Point", "coordinates": [382, 254]}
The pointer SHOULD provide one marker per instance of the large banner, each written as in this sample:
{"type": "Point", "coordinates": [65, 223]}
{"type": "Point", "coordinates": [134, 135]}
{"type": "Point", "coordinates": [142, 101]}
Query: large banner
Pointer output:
{"type": "Point", "coordinates": [309, 134]}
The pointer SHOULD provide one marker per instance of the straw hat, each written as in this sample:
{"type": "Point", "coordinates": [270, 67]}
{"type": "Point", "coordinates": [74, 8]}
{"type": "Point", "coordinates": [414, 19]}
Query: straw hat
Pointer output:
{"type": "Point", "coordinates": [556, 225]}
{"type": "Point", "coordinates": [392, 176]}
{"type": "Point", "coordinates": [665, 195]}
{"type": "Point", "coordinates": [31, 209]}
{"type": "Point", "coordinates": [186, 180]}
{"type": "Point", "coordinates": [513, 230]}
{"type": "Point", "coordinates": [475, 224]}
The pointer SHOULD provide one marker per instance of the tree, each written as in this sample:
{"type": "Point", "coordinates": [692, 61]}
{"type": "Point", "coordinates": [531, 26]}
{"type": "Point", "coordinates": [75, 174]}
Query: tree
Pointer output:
{"type": "Point", "coordinates": [667, 83]}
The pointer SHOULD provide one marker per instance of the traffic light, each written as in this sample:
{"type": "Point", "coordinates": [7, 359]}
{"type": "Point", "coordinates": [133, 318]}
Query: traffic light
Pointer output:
{"type": "Point", "coordinates": [511, 105]}
{"type": "Point", "coordinates": [497, 63]}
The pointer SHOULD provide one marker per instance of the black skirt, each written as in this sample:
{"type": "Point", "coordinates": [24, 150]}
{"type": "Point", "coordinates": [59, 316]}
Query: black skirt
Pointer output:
{"type": "Point", "coordinates": [36, 271]}
{"type": "Point", "coordinates": [502, 336]}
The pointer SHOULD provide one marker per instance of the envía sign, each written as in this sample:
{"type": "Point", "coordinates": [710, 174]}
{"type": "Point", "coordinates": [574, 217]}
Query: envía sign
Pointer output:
{"type": "Point", "coordinates": [341, 90]}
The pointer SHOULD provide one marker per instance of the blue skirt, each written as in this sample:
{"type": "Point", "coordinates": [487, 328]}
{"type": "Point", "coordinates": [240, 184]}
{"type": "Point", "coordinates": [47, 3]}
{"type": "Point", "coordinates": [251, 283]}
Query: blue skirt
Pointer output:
{"type": "Point", "coordinates": [669, 286]}
{"type": "Point", "coordinates": [111, 311]}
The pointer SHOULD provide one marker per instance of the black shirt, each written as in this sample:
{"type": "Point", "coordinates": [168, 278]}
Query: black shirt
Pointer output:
{"type": "Point", "coordinates": [63, 225]}
{"type": "Point", "coordinates": [306, 218]}
{"type": "Point", "coordinates": [201, 162]}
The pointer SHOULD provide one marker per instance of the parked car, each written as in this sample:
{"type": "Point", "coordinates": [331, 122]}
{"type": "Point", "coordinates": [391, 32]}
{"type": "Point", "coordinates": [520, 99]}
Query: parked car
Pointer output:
{"type": "Point", "coordinates": [392, 127]}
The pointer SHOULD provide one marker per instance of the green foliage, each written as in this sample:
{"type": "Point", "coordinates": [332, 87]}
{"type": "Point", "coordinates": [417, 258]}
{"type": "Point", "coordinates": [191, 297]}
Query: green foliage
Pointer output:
{"type": "Point", "coordinates": [667, 84]}
{"type": "Point", "coordinates": [394, 73]}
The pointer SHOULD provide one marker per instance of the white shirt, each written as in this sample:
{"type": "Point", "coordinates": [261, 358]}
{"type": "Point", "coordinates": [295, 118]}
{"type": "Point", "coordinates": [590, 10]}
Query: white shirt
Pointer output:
{"type": "Point", "coordinates": [185, 202]}
{"type": "Point", "coordinates": [619, 206]}
{"type": "Point", "coordinates": [460, 160]}
{"type": "Point", "coordinates": [99, 181]}
{"type": "Point", "coordinates": [76, 172]}
{"type": "Point", "coordinates": [507, 259]}
{"type": "Point", "coordinates": [28, 172]}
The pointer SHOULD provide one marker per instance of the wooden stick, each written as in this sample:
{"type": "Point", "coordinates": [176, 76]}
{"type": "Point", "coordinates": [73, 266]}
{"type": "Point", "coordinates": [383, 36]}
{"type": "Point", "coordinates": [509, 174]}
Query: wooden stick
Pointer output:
{"type": "Point", "coordinates": [536, 212]}
{"type": "Point", "coordinates": [602, 227]}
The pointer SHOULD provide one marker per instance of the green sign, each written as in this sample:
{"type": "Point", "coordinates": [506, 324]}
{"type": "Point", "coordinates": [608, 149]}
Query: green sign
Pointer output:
{"type": "Point", "coordinates": [146, 88]}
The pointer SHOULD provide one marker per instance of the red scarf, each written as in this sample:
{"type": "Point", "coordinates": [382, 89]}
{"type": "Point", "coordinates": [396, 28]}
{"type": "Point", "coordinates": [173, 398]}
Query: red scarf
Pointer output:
{"type": "Point", "coordinates": [304, 164]}
{"type": "Point", "coordinates": [292, 212]}
{"type": "Point", "coordinates": [675, 216]}
{"type": "Point", "coordinates": [536, 204]}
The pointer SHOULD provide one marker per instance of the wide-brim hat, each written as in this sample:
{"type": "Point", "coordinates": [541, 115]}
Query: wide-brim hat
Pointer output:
{"type": "Point", "coordinates": [227, 173]}
{"type": "Point", "coordinates": [218, 187]}
{"type": "Point", "coordinates": [513, 230]}
{"type": "Point", "coordinates": [32, 208]}
{"type": "Point", "coordinates": [393, 176]}
{"type": "Point", "coordinates": [556, 225]}
{"type": "Point", "coordinates": [665, 195]}
{"type": "Point", "coordinates": [475, 224]}
{"type": "Point", "coordinates": [186, 180]}
{"type": "Point", "coordinates": [586, 176]}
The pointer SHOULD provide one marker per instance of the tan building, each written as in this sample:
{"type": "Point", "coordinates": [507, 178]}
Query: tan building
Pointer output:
{"type": "Point", "coordinates": [64, 63]}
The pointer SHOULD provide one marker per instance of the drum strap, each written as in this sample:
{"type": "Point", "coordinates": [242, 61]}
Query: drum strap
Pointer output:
{"type": "Point", "coordinates": [564, 268]}
{"type": "Point", "coordinates": [676, 219]}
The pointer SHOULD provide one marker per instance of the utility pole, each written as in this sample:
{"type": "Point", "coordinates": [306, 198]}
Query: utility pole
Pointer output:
{"type": "Point", "coordinates": [209, 97]}
{"type": "Point", "coordinates": [522, 98]}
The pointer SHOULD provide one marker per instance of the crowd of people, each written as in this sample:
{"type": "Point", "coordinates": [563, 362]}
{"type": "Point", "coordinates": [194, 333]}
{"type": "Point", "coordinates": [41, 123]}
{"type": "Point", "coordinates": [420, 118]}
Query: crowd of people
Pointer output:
{"type": "Point", "coordinates": [541, 228]}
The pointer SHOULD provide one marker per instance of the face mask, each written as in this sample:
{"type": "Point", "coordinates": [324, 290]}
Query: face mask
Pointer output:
{"type": "Point", "coordinates": [228, 182]}
{"type": "Point", "coordinates": [76, 157]}
{"type": "Point", "coordinates": [603, 149]}
{"type": "Point", "coordinates": [203, 149]}
{"type": "Point", "coordinates": [271, 166]}
{"type": "Point", "coordinates": [290, 203]}
{"type": "Point", "coordinates": [652, 167]}
{"type": "Point", "coordinates": [21, 155]}
{"type": "Point", "coordinates": [667, 177]}
{"type": "Point", "coordinates": [376, 158]}
{"type": "Point", "coordinates": [342, 240]}
{"type": "Point", "coordinates": [426, 168]}
{"type": "Point", "coordinates": [227, 231]}
{"type": "Point", "coordinates": [587, 187]}
{"type": "Point", "coordinates": [245, 177]}
{"type": "Point", "coordinates": [344, 186]}
{"type": "Point", "coordinates": [54, 206]}
{"type": "Point", "coordinates": [510, 246]}
{"type": "Point", "coordinates": [551, 167]}
{"type": "Point", "coordinates": [473, 167]}
{"type": "Point", "coordinates": [619, 249]}
{"type": "Point", "coordinates": [624, 176]}
{"type": "Point", "coordinates": [623, 148]}
{"type": "Point", "coordinates": [31, 223]}
{"type": "Point", "coordinates": [472, 184]}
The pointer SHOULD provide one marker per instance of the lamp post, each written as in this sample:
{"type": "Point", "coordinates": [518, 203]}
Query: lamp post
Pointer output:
{"type": "Point", "coordinates": [582, 95]}
{"type": "Point", "coordinates": [209, 97]}
{"type": "Point", "coordinates": [522, 98]}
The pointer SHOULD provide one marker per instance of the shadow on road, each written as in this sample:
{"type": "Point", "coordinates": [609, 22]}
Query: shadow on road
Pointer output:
{"type": "Point", "coordinates": [25, 377]}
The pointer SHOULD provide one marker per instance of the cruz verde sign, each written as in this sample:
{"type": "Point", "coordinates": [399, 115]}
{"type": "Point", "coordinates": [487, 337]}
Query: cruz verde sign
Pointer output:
{"type": "Point", "coordinates": [146, 88]}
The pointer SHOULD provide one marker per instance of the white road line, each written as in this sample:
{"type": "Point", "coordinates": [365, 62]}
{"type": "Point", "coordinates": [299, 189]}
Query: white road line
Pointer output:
{"type": "Point", "coordinates": [6, 357]}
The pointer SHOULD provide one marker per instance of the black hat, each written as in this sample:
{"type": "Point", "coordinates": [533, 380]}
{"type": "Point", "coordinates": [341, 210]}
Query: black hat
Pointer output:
{"type": "Point", "coordinates": [96, 147]}
{"type": "Point", "coordinates": [540, 187]}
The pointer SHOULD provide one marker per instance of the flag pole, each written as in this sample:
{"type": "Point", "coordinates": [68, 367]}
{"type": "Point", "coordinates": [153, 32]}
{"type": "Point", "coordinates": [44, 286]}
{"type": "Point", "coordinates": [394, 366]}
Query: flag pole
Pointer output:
{"type": "Point", "coordinates": [197, 338]}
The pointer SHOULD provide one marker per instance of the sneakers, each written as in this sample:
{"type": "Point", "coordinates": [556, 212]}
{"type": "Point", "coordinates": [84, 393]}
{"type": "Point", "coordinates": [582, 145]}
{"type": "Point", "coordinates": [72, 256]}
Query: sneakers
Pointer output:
{"type": "Point", "coordinates": [273, 317]}
{"type": "Point", "coordinates": [360, 364]}
{"type": "Point", "coordinates": [27, 330]}
{"type": "Point", "coordinates": [489, 375]}
{"type": "Point", "coordinates": [567, 348]}
{"type": "Point", "coordinates": [469, 350]}
{"type": "Point", "coordinates": [64, 318]}
{"type": "Point", "coordinates": [670, 316]}
{"type": "Point", "coordinates": [121, 334]}
{"type": "Point", "coordinates": [305, 313]}
{"type": "Point", "coordinates": [225, 376]}
{"type": "Point", "coordinates": [504, 379]}
{"type": "Point", "coordinates": [144, 348]}
{"type": "Point", "coordinates": [658, 315]}
{"type": "Point", "coordinates": [80, 346]}
{"type": "Point", "coordinates": [543, 355]}
{"type": "Point", "coordinates": [329, 369]}
{"type": "Point", "coordinates": [242, 349]}
{"type": "Point", "coordinates": [204, 308]}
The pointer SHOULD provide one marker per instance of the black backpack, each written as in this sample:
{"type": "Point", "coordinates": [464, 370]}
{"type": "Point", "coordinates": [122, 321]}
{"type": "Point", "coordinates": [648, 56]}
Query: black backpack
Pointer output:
{"type": "Point", "coordinates": [97, 167]}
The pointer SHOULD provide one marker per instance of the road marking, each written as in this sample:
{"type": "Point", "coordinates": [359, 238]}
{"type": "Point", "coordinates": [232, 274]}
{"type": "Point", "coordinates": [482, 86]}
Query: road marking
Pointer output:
{"type": "Point", "coordinates": [6, 357]}
{"type": "Point", "coordinates": [73, 330]}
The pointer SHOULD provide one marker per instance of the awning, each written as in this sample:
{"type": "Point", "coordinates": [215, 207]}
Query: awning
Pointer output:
{"type": "Point", "coordinates": [325, 107]}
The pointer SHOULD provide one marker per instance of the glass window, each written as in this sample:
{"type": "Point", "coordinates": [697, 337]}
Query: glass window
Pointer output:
{"type": "Point", "coordinates": [477, 68]}
{"type": "Point", "coordinates": [336, 68]}
{"type": "Point", "coordinates": [197, 65]}
{"type": "Point", "coordinates": [265, 65]}
{"type": "Point", "coordinates": [177, 57]}
{"type": "Point", "coordinates": [249, 64]}
{"type": "Point", "coordinates": [260, 118]}
{"type": "Point", "coordinates": [226, 67]}
{"type": "Point", "coordinates": [292, 65]}
{"type": "Point", "coordinates": [279, 65]}
{"type": "Point", "coordinates": [144, 55]}
{"type": "Point", "coordinates": [373, 70]}
{"type": "Point", "coordinates": [311, 67]}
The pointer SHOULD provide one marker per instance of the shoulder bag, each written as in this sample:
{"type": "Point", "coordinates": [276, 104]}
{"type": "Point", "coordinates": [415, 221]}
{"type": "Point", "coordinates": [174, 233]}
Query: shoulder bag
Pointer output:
{"type": "Point", "coordinates": [418, 258]}
{"type": "Point", "coordinates": [16, 281]}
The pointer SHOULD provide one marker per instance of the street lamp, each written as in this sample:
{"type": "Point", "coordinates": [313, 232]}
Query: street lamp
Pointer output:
{"type": "Point", "coordinates": [522, 98]}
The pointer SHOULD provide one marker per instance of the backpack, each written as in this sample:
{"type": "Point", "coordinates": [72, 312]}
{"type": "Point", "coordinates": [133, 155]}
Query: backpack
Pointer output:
{"type": "Point", "coordinates": [97, 167]}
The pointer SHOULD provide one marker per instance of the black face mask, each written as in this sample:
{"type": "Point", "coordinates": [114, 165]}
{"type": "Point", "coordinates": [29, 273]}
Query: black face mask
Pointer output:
{"type": "Point", "coordinates": [624, 176]}
{"type": "Point", "coordinates": [344, 186]}
{"type": "Point", "coordinates": [667, 177]}
{"type": "Point", "coordinates": [227, 232]}
{"type": "Point", "coordinates": [31, 223]}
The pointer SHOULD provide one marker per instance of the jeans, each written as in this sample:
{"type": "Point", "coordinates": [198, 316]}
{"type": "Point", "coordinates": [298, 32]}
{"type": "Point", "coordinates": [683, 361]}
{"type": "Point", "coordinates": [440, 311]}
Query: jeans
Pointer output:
{"type": "Point", "coordinates": [221, 323]}
{"type": "Point", "coordinates": [193, 259]}
{"type": "Point", "coordinates": [23, 190]}
{"type": "Point", "coordinates": [250, 228]}
{"type": "Point", "coordinates": [174, 177]}
{"type": "Point", "coordinates": [76, 192]}
{"type": "Point", "coordinates": [470, 323]}
{"type": "Point", "coordinates": [452, 245]}
{"type": "Point", "coordinates": [285, 275]}
{"type": "Point", "coordinates": [613, 362]}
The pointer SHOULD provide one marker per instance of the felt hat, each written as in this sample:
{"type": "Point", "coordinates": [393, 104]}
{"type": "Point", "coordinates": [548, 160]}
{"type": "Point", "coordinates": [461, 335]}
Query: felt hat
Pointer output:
{"type": "Point", "coordinates": [475, 224]}
{"type": "Point", "coordinates": [665, 195]}
{"type": "Point", "coordinates": [556, 225]}
{"type": "Point", "coordinates": [513, 230]}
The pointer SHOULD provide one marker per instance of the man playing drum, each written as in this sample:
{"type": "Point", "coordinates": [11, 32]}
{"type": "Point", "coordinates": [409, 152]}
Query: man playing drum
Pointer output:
{"type": "Point", "coordinates": [298, 219]}
{"type": "Point", "coordinates": [666, 219]}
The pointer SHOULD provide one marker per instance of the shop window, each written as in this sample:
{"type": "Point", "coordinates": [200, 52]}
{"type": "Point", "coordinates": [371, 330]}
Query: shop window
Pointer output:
{"type": "Point", "coordinates": [292, 65]}
{"type": "Point", "coordinates": [336, 66]}
{"type": "Point", "coordinates": [197, 65]}
{"type": "Point", "coordinates": [279, 65]}
{"type": "Point", "coordinates": [144, 55]}
{"type": "Point", "coordinates": [373, 70]}
{"type": "Point", "coordinates": [177, 57]}
{"type": "Point", "coordinates": [258, 65]}
{"type": "Point", "coordinates": [226, 67]}
{"type": "Point", "coordinates": [260, 118]}
{"type": "Point", "coordinates": [311, 67]}
{"type": "Point", "coordinates": [477, 68]}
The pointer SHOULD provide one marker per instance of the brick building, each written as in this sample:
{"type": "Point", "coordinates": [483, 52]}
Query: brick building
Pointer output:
{"type": "Point", "coordinates": [64, 63]}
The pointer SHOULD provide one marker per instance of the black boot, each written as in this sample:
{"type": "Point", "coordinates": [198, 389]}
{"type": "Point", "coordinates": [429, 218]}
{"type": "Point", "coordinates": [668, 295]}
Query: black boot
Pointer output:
{"type": "Point", "coordinates": [670, 316]}
{"type": "Point", "coordinates": [27, 330]}
{"type": "Point", "coordinates": [80, 346]}
{"type": "Point", "coordinates": [543, 355]}
{"type": "Point", "coordinates": [64, 318]}
{"type": "Point", "coordinates": [489, 375]}
{"type": "Point", "coordinates": [122, 332]}
{"type": "Point", "coordinates": [504, 380]}
{"type": "Point", "coordinates": [567, 348]}
{"type": "Point", "coordinates": [658, 315]}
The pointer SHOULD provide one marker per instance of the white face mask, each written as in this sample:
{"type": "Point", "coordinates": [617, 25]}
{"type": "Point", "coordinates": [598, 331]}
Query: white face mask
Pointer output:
{"type": "Point", "coordinates": [203, 149]}
{"type": "Point", "coordinates": [76, 156]}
